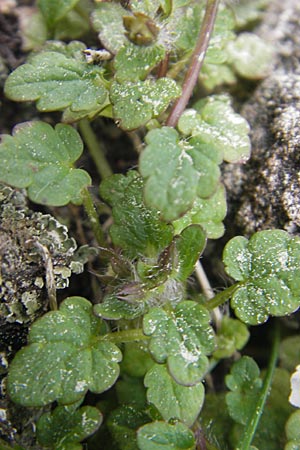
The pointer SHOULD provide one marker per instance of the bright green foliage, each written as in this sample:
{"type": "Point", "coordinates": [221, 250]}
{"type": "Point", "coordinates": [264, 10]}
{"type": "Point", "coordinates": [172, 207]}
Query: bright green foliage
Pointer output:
{"type": "Point", "coordinates": [215, 124]}
{"type": "Point", "coordinates": [231, 336]}
{"type": "Point", "coordinates": [245, 384]}
{"type": "Point", "coordinates": [60, 80]}
{"type": "Point", "coordinates": [250, 56]}
{"type": "Point", "coordinates": [188, 248]}
{"type": "Point", "coordinates": [137, 229]}
{"type": "Point", "coordinates": [177, 171]}
{"type": "Point", "coordinates": [289, 352]}
{"type": "Point", "coordinates": [136, 359]}
{"type": "Point", "coordinates": [107, 19]}
{"type": "Point", "coordinates": [164, 436]}
{"type": "Point", "coordinates": [54, 10]}
{"type": "Point", "coordinates": [172, 400]}
{"type": "Point", "coordinates": [41, 159]}
{"type": "Point", "coordinates": [122, 424]}
{"type": "Point", "coordinates": [207, 212]}
{"type": "Point", "coordinates": [113, 308]}
{"type": "Point", "coordinates": [268, 267]}
{"type": "Point", "coordinates": [134, 62]}
{"type": "Point", "coordinates": [134, 104]}
{"type": "Point", "coordinates": [182, 338]}
{"type": "Point", "coordinates": [63, 429]}
{"type": "Point", "coordinates": [65, 358]}
{"type": "Point", "coordinates": [292, 430]}
{"type": "Point", "coordinates": [213, 75]}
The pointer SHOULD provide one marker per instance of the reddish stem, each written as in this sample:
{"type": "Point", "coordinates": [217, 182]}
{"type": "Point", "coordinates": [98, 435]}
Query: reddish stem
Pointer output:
{"type": "Point", "coordinates": [199, 52]}
{"type": "Point", "coordinates": [163, 67]}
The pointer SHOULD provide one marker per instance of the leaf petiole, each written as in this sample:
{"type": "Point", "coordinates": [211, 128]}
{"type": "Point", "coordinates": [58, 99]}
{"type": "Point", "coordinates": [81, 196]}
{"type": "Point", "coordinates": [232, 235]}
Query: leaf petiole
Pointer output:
{"type": "Point", "coordinates": [119, 337]}
{"type": "Point", "coordinates": [223, 296]}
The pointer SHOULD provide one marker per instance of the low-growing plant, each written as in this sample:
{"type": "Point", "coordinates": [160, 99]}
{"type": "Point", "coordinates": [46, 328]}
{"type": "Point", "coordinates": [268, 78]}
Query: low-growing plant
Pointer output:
{"type": "Point", "coordinates": [151, 341]}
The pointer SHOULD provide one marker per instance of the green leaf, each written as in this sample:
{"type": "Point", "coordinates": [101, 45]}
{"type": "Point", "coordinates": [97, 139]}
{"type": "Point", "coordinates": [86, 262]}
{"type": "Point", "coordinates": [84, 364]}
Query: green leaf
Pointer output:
{"type": "Point", "coordinates": [176, 172]}
{"type": "Point", "coordinates": [231, 336]}
{"type": "Point", "coordinates": [107, 19]}
{"type": "Point", "coordinates": [182, 338]}
{"type": "Point", "coordinates": [73, 26]}
{"type": "Point", "coordinates": [292, 429]}
{"type": "Point", "coordinates": [137, 229]}
{"type": "Point", "coordinates": [113, 308]}
{"type": "Point", "coordinates": [208, 213]}
{"type": "Point", "coordinates": [250, 56]}
{"type": "Point", "coordinates": [289, 352]}
{"type": "Point", "coordinates": [189, 246]}
{"type": "Point", "coordinates": [136, 359]}
{"type": "Point", "coordinates": [215, 75]}
{"type": "Point", "coordinates": [65, 358]}
{"type": "Point", "coordinates": [164, 436]}
{"type": "Point", "coordinates": [134, 104]}
{"type": "Point", "coordinates": [216, 124]}
{"type": "Point", "coordinates": [133, 62]}
{"type": "Point", "coordinates": [268, 267]}
{"type": "Point", "coordinates": [54, 10]}
{"type": "Point", "coordinates": [246, 12]}
{"type": "Point", "coordinates": [123, 423]}
{"type": "Point", "coordinates": [41, 159]}
{"type": "Point", "coordinates": [64, 430]}
{"type": "Point", "coordinates": [173, 400]}
{"type": "Point", "coordinates": [131, 391]}
{"type": "Point", "coordinates": [60, 81]}
{"type": "Point", "coordinates": [245, 384]}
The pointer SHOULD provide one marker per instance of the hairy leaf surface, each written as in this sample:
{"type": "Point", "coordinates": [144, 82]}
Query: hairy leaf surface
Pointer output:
{"type": "Point", "coordinates": [162, 435]}
{"type": "Point", "coordinates": [63, 359]}
{"type": "Point", "coordinates": [216, 124]}
{"type": "Point", "coordinates": [177, 171]}
{"type": "Point", "coordinates": [135, 103]}
{"type": "Point", "coordinates": [63, 429]}
{"type": "Point", "coordinates": [268, 267]}
{"type": "Point", "coordinates": [182, 338]}
{"type": "Point", "coordinates": [59, 81]}
{"type": "Point", "coordinates": [173, 400]}
{"type": "Point", "coordinates": [40, 158]}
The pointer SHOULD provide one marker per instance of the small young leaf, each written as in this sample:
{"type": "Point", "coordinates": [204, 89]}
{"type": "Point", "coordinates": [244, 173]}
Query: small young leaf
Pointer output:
{"type": "Point", "coordinates": [131, 391]}
{"type": "Point", "coordinates": [268, 267]}
{"type": "Point", "coordinates": [162, 435]}
{"type": "Point", "coordinates": [134, 104]}
{"type": "Point", "coordinates": [246, 12]}
{"type": "Point", "coordinates": [134, 62]}
{"type": "Point", "coordinates": [289, 352]}
{"type": "Point", "coordinates": [176, 172]}
{"type": "Point", "coordinates": [245, 384]}
{"type": "Point", "coordinates": [250, 56]}
{"type": "Point", "coordinates": [215, 123]}
{"type": "Point", "coordinates": [107, 19]}
{"type": "Point", "coordinates": [137, 229]}
{"type": "Point", "coordinates": [41, 159]}
{"type": "Point", "coordinates": [64, 358]}
{"type": "Point", "coordinates": [208, 213]}
{"type": "Point", "coordinates": [231, 336]}
{"type": "Point", "coordinates": [58, 81]}
{"type": "Point", "coordinates": [114, 309]}
{"type": "Point", "coordinates": [181, 338]}
{"type": "Point", "coordinates": [54, 10]}
{"type": "Point", "coordinates": [63, 430]}
{"type": "Point", "coordinates": [173, 400]}
{"type": "Point", "coordinates": [136, 359]}
{"type": "Point", "coordinates": [292, 429]}
{"type": "Point", "coordinates": [189, 246]}
{"type": "Point", "coordinates": [123, 423]}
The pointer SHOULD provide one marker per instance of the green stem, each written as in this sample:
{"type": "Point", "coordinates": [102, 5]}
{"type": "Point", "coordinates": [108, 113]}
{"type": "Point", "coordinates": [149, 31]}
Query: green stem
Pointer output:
{"type": "Point", "coordinates": [196, 62]}
{"type": "Point", "coordinates": [119, 337]}
{"type": "Point", "coordinates": [252, 424]}
{"type": "Point", "coordinates": [223, 296]}
{"type": "Point", "coordinates": [93, 217]}
{"type": "Point", "coordinates": [95, 149]}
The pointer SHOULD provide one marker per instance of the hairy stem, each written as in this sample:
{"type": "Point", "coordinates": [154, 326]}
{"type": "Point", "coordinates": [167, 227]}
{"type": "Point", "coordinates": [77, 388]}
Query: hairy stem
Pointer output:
{"type": "Point", "coordinates": [122, 336]}
{"type": "Point", "coordinates": [252, 424]}
{"type": "Point", "coordinates": [93, 217]}
{"type": "Point", "coordinates": [223, 296]}
{"type": "Point", "coordinates": [196, 62]}
{"type": "Point", "coordinates": [95, 149]}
